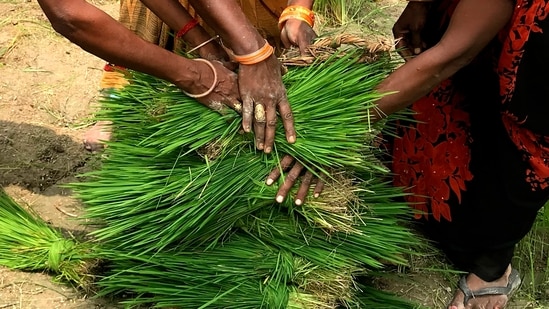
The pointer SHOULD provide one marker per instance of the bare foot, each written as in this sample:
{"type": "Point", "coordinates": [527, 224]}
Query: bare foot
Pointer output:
{"type": "Point", "coordinates": [482, 302]}
{"type": "Point", "coordinates": [99, 133]}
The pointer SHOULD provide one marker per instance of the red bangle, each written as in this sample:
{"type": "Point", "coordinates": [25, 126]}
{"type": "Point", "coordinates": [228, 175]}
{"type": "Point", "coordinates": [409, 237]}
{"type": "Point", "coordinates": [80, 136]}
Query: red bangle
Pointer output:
{"type": "Point", "coordinates": [188, 26]}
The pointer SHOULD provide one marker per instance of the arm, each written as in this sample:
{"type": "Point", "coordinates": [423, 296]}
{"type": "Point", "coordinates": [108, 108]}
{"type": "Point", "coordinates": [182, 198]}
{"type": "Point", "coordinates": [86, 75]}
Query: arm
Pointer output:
{"type": "Point", "coordinates": [260, 84]}
{"type": "Point", "coordinates": [99, 34]}
{"type": "Point", "coordinates": [176, 17]}
{"type": "Point", "coordinates": [473, 25]}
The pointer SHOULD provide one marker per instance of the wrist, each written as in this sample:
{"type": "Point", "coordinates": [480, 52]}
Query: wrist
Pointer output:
{"type": "Point", "coordinates": [183, 72]}
{"type": "Point", "coordinates": [297, 12]}
{"type": "Point", "coordinates": [247, 44]}
{"type": "Point", "coordinates": [257, 56]}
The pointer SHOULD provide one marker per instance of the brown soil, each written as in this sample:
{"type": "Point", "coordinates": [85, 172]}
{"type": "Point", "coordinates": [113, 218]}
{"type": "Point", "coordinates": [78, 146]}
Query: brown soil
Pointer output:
{"type": "Point", "coordinates": [48, 91]}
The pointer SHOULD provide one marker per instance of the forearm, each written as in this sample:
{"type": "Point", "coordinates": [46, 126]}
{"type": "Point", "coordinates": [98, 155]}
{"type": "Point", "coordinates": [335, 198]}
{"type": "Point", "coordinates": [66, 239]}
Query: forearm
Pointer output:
{"type": "Point", "coordinates": [99, 34]}
{"type": "Point", "coordinates": [176, 17]}
{"type": "Point", "coordinates": [228, 20]}
{"type": "Point", "coordinates": [473, 25]}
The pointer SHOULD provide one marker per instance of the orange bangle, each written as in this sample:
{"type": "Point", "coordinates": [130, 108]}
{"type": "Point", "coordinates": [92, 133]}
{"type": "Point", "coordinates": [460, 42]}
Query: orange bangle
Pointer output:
{"type": "Point", "coordinates": [297, 12]}
{"type": "Point", "coordinates": [263, 53]}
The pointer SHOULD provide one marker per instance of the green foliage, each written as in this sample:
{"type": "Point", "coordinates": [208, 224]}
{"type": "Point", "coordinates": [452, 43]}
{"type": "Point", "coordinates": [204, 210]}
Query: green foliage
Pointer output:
{"type": "Point", "coordinates": [28, 243]}
{"type": "Point", "coordinates": [186, 220]}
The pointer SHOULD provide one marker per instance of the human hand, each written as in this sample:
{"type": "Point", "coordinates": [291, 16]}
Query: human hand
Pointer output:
{"type": "Point", "coordinates": [263, 93]}
{"type": "Point", "coordinates": [291, 178]}
{"type": "Point", "coordinates": [297, 33]}
{"type": "Point", "coordinates": [210, 49]}
{"type": "Point", "coordinates": [408, 28]}
{"type": "Point", "coordinates": [216, 86]}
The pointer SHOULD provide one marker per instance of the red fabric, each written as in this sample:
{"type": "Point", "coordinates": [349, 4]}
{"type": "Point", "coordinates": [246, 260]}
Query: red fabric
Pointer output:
{"type": "Point", "coordinates": [432, 156]}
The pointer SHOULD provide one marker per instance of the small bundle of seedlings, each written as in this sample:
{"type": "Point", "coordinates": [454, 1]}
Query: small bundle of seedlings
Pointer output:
{"type": "Point", "coordinates": [29, 243]}
{"type": "Point", "coordinates": [185, 219]}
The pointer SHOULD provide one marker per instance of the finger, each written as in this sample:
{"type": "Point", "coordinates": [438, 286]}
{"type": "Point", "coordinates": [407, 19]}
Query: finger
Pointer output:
{"type": "Point", "coordinates": [287, 120]}
{"type": "Point", "coordinates": [403, 48]}
{"type": "Point", "coordinates": [319, 187]}
{"type": "Point", "coordinates": [284, 164]}
{"type": "Point", "coordinates": [306, 39]}
{"type": "Point", "coordinates": [284, 38]}
{"type": "Point", "coordinates": [416, 42]}
{"type": "Point", "coordinates": [270, 128]}
{"type": "Point", "coordinates": [247, 112]}
{"type": "Point", "coordinates": [303, 188]}
{"type": "Point", "coordinates": [303, 50]}
{"type": "Point", "coordinates": [259, 126]}
{"type": "Point", "coordinates": [289, 182]}
{"type": "Point", "coordinates": [235, 105]}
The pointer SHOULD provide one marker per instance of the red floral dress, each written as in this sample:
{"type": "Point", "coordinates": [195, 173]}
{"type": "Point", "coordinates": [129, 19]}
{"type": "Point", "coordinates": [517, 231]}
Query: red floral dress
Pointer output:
{"type": "Point", "coordinates": [433, 156]}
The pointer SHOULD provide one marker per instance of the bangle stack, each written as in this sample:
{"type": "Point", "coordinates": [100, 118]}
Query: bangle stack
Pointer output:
{"type": "Point", "coordinates": [263, 53]}
{"type": "Point", "coordinates": [296, 12]}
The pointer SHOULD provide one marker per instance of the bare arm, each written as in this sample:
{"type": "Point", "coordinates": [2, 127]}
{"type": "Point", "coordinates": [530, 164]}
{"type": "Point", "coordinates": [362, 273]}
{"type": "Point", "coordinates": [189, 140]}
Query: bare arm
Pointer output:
{"type": "Point", "coordinates": [176, 17]}
{"type": "Point", "coordinates": [228, 20]}
{"type": "Point", "coordinates": [99, 34]}
{"type": "Point", "coordinates": [473, 25]}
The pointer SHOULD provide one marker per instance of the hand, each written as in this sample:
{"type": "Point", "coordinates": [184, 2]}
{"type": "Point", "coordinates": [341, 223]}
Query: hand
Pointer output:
{"type": "Point", "coordinates": [262, 93]}
{"type": "Point", "coordinates": [223, 82]}
{"type": "Point", "coordinates": [214, 51]}
{"type": "Point", "coordinates": [291, 177]}
{"type": "Point", "coordinates": [297, 33]}
{"type": "Point", "coordinates": [407, 29]}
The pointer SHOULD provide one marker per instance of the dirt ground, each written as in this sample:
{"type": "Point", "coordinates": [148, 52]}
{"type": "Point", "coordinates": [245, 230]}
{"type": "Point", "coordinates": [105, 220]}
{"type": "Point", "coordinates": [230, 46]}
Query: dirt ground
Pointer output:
{"type": "Point", "coordinates": [48, 88]}
{"type": "Point", "coordinates": [48, 91]}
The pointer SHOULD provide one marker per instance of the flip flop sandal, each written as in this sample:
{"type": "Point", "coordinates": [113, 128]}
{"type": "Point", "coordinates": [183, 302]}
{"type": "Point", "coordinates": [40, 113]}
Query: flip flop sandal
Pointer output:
{"type": "Point", "coordinates": [512, 285]}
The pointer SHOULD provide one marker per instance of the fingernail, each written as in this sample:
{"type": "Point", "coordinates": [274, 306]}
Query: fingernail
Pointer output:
{"type": "Point", "coordinates": [291, 139]}
{"type": "Point", "coordinates": [260, 146]}
{"type": "Point", "coordinates": [247, 129]}
{"type": "Point", "coordinates": [298, 202]}
{"type": "Point", "coordinates": [316, 195]}
{"type": "Point", "coordinates": [269, 182]}
{"type": "Point", "coordinates": [280, 198]}
{"type": "Point", "coordinates": [417, 50]}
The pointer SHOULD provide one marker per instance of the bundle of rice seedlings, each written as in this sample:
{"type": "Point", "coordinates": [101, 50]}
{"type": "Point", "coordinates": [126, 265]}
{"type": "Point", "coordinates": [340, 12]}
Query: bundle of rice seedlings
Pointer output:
{"type": "Point", "coordinates": [186, 220]}
{"type": "Point", "coordinates": [28, 243]}
{"type": "Point", "coordinates": [161, 176]}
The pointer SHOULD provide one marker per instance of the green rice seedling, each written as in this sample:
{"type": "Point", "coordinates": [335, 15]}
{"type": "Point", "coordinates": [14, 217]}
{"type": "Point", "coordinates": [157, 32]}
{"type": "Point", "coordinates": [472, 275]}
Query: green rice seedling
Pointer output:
{"type": "Point", "coordinates": [241, 273]}
{"type": "Point", "coordinates": [28, 243]}
{"type": "Point", "coordinates": [181, 193]}
{"type": "Point", "coordinates": [174, 185]}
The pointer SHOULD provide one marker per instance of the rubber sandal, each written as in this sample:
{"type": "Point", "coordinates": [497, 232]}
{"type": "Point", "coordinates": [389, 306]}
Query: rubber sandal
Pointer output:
{"type": "Point", "coordinates": [512, 285]}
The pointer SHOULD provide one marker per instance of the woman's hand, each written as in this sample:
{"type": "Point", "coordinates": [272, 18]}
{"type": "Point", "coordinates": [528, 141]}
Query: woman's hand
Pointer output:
{"type": "Point", "coordinates": [297, 33]}
{"type": "Point", "coordinates": [295, 170]}
{"type": "Point", "coordinates": [215, 86]}
{"type": "Point", "coordinates": [210, 49]}
{"type": "Point", "coordinates": [263, 93]}
{"type": "Point", "coordinates": [408, 28]}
